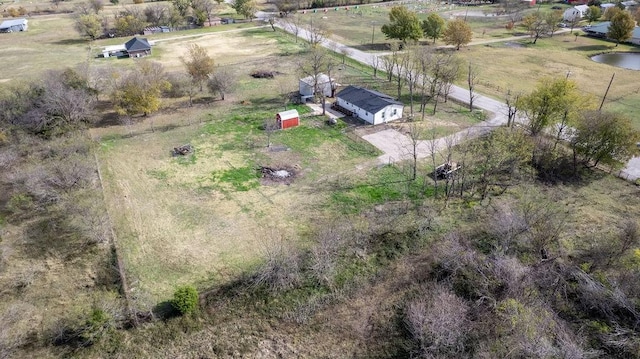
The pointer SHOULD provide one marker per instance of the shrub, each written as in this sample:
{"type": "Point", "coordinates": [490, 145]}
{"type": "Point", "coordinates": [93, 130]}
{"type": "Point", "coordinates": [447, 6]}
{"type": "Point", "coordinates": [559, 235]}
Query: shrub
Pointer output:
{"type": "Point", "coordinates": [185, 299]}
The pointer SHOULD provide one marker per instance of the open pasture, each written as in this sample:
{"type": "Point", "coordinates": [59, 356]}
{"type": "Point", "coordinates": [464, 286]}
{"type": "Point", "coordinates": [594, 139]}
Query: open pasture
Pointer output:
{"type": "Point", "coordinates": [518, 65]}
{"type": "Point", "coordinates": [52, 43]}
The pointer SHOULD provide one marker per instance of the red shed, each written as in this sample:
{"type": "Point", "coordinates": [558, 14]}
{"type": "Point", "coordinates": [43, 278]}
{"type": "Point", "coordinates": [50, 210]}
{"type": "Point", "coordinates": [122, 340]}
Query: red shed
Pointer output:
{"type": "Point", "coordinates": [288, 119]}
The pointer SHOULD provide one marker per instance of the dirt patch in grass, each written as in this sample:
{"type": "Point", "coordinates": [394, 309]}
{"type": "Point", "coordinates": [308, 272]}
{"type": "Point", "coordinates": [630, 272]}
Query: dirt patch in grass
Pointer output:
{"type": "Point", "coordinates": [224, 48]}
{"type": "Point", "coordinates": [279, 174]}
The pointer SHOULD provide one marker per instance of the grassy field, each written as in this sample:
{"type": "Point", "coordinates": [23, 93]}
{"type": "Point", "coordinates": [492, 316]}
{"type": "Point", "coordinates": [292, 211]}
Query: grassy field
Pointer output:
{"type": "Point", "coordinates": [517, 65]}
{"type": "Point", "coordinates": [206, 218]}
{"type": "Point", "coordinates": [52, 43]}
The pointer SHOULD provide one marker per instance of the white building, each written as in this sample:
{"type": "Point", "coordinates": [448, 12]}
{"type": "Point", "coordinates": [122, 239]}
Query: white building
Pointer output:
{"type": "Point", "coordinates": [324, 84]}
{"type": "Point", "coordinates": [371, 106]}
{"type": "Point", "coordinates": [14, 25]}
{"type": "Point", "coordinates": [575, 13]}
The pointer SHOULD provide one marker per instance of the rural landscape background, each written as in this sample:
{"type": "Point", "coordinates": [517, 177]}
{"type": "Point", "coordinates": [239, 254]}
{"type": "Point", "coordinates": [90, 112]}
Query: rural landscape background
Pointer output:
{"type": "Point", "coordinates": [114, 245]}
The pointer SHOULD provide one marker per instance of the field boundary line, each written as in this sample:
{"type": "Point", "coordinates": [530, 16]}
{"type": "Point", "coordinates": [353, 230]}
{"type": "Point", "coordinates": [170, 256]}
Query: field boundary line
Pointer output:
{"type": "Point", "coordinates": [114, 249]}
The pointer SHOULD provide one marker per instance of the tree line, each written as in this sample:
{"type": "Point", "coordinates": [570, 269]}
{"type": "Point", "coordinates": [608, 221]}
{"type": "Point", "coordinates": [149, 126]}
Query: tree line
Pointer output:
{"type": "Point", "coordinates": [92, 24]}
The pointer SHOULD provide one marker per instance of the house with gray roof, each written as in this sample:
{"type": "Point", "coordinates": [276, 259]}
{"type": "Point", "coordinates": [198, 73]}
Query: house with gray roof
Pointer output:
{"type": "Point", "coordinates": [368, 105]}
{"type": "Point", "coordinates": [137, 47]}
{"type": "Point", "coordinates": [14, 25]}
{"type": "Point", "coordinates": [602, 28]}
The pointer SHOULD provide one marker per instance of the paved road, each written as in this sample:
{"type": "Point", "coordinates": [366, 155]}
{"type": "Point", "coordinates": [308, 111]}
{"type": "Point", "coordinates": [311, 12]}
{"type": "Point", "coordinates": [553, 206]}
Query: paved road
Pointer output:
{"type": "Point", "coordinates": [398, 147]}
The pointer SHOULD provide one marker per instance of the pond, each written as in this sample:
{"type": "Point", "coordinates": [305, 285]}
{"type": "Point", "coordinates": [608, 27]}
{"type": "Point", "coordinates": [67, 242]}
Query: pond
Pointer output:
{"type": "Point", "coordinates": [626, 60]}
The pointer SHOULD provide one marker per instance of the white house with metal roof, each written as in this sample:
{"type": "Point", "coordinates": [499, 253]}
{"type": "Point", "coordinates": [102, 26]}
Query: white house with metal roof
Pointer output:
{"type": "Point", "coordinates": [368, 105]}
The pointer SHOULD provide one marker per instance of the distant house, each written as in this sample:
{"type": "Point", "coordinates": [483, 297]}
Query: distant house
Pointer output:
{"type": "Point", "coordinates": [287, 119]}
{"type": "Point", "coordinates": [214, 21]}
{"type": "Point", "coordinates": [322, 83]}
{"type": "Point", "coordinates": [629, 4]}
{"type": "Point", "coordinates": [155, 30]}
{"type": "Point", "coordinates": [371, 106]}
{"type": "Point", "coordinates": [575, 13]}
{"type": "Point", "coordinates": [15, 25]}
{"type": "Point", "coordinates": [606, 6]}
{"type": "Point", "coordinates": [602, 28]}
{"type": "Point", "coordinates": [137, 47]}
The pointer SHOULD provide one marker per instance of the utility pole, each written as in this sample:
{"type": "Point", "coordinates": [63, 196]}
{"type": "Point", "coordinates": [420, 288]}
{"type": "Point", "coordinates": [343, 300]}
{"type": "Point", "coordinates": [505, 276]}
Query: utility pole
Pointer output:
{"type": "Point", "coordinates": [606, 92]}
{"type": "Point", "coordinates": [373, 29]}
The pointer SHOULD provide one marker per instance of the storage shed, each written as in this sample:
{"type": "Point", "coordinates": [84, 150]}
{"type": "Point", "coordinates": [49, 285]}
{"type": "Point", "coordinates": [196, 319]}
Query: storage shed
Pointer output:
{"type": "Point", "coordinates": [287, 119]}
{"type": "Point", "coordinates": [321, 83]}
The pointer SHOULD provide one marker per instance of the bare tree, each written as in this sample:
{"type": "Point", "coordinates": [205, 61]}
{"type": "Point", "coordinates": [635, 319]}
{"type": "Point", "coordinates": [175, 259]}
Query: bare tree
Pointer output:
{"type": "Point", "coordinates": [345, 52]}
{"type": "Point", "coordinates": [204, 9]}
{"type": "Point", "coordinates": [414, 134]}
{"type": "Point", "coordinates": [438, 323]}
{"type": "Point", "coordinates": [286, 90]}
{"type": "Point", "coordinates": [433, 153]}
{"type": "Point", "coordinates": [375, 64]}
{"type": "Point", "coordinates": [450, 74]}
{"type": "Point", "coordinates": [293, 24]}
{"type": "Point", "coordinates": [388, 63]}
{"type": "Point", "coordinates": [423, 59]}
{"type": "Point", "coordinates": [472, 78]}
{"type": "Point", "coordinates": [83, 8]}
{"type": "Point", "coordinates": [182, 85]}
{"type": "Point", "coordinates": [444, 69]}
{"type": "Point", "coordinates": [512, 102]}
{"type": "Point", "coordinates": [270, 126]}
{"type": "Point", "coordinates": [314, 64]}
{"type": "Point", "coordinates": [222, 81]}
{"type": "Point", "coordinates": [513, 9]}
{"type": "Point", "coordinates": [402, 61]}
{"type": "Point", "coordinates": [281, 269]}
{"type": "Point", "coordinates": [96, 5]}
{"type": "Point", "coordinates": [157, 14]}
{"type": "Point", "coordinates": [412, 74]}
{"type": "Point", "coordinates": [316, 34]}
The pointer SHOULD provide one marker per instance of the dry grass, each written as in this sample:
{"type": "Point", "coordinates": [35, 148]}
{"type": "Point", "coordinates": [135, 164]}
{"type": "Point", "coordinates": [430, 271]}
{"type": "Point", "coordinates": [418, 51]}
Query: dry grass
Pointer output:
{"type": "Point", "coordinates": [174, 229]}
{"type": "Point", "coordinates": [50, 43]}
{"type": "Point", "coordinates": [517, 66]}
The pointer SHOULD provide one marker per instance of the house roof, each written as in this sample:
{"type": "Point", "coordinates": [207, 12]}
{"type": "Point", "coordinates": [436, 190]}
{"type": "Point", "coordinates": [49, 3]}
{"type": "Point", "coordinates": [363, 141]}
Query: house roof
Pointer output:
{"type": "Point", "coordinates": [607, 5]}
{"type": "Point", "coordinates": [322, 78]}
{"type": "Point", "coordinates": [287, 115]}
{"type": "Point", "coordinates": [368, 100]}
{"type": "Point", "coordinates": [603, 28]}
{"type": "Point", "coordinates": [582, 8]}
{"type": "Point", "coordinates": [137, 44]}
{"type": "Point", "coordinates": [13, 22]}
